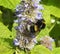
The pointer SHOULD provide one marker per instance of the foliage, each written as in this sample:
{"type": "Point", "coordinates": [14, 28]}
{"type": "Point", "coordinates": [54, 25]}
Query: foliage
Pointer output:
{"type": "Point", "coordinates": [7, 32]}
{"type": "Point", "coordinates": [56, 51]}
{"type": "Point", "coordinates": [39, 49]}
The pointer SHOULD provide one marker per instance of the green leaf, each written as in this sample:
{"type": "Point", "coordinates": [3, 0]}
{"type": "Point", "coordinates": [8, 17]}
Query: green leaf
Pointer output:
{"type": "Point", "coordinates": [52, 6]}
{"type": "Point", "coordinates": [4, 31]}
{"type": "Point", "coordinates": [5, 40]}
{"type": "Point", "coordinates": [6, 24]}
{"type": "Point", "coordinates": [56, 51]}
{"type": "Point", "coordinates": [9, 3]}
{"type": "Point", "coordinates": [39, 49]}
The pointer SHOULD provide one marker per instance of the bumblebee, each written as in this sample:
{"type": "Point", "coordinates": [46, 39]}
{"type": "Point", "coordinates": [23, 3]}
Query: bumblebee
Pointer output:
{"type": "Point", "coordinates": [35, 27]}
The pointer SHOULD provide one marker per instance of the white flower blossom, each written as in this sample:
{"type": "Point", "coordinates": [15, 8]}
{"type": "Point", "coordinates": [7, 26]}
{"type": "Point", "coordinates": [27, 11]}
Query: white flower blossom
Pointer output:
{"type": "Point", "coordinates": [19, 15]}
{"type": "Point", "coordinates": [34, 40]}
{"type": "Point", "coordinates": [36, 1]}
{"type": "Point", "coordinates": [40, 7]}
{"type": "Point", "coordinates": [16, 21]}
{"type": "Point", "coordinates": [26, 5]}
{"type": "Point", "coordinates": [39, 15]}
{"type": "Point", "coordinates": [16, 42]}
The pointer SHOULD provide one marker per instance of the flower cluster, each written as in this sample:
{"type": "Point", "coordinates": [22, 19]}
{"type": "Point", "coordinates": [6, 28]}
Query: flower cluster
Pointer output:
{"type": "Point", "coordinates": [47, 42]}
{"type": "Point", "coordinates": [29, 9]}
{"type": "Point", "coordinates": [28, 13]}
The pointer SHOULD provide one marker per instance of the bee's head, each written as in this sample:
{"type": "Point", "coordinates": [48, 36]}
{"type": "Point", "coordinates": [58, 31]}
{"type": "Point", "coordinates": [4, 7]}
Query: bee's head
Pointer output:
{"type": "Point", "coordinates": [41, 24]}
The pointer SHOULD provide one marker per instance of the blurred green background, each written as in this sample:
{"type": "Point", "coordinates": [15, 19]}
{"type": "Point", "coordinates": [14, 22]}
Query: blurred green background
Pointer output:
{"type": "Point", "coordinates": [7, 31]}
